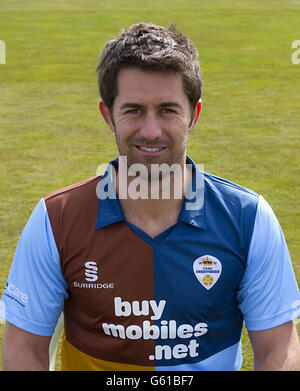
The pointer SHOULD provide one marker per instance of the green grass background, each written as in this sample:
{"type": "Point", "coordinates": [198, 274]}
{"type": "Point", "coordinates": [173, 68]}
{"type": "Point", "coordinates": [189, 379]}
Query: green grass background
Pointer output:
{"type": "Point", "coordinates": [51, 133]}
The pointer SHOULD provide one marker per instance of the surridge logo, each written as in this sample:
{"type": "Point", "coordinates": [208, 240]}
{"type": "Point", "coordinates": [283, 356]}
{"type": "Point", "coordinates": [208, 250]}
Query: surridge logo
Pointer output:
{"type": "Point", "coordinates": [91, 271]}
{"type": "Point", "coordinates": [91, 275]}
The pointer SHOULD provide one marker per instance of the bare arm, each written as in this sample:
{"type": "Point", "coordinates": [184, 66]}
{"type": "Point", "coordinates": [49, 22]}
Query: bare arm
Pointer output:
{"type": "Point", "coordinates": [276, 349]}
{"type": "Point", "coordinates": [23, 351]}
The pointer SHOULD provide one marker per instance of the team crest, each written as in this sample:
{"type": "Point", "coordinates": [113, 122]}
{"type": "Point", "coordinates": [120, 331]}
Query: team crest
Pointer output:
{"type": "Point", "coordinates": [207, 269]}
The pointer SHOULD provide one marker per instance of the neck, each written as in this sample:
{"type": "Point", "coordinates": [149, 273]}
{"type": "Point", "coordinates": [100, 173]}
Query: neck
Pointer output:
{"type": "Point", "coordinates": [153, 201]}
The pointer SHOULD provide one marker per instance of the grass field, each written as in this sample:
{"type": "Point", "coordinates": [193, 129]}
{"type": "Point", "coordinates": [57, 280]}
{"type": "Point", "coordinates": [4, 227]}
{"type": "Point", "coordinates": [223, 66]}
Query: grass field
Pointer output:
{"type": "Point", "coordinates": [51, 134]}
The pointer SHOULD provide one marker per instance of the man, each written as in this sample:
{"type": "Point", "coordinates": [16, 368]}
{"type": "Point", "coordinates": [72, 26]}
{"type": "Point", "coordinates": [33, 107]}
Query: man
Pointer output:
{"type": "Point", "coordinates": [152, 282]}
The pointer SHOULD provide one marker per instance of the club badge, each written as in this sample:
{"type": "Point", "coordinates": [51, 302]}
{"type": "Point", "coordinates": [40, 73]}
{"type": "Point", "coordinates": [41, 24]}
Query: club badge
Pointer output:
{"type": "Point", "coordinates": [207, 269]}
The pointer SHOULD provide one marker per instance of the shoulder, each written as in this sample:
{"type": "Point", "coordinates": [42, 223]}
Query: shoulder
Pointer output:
{"type": "Point", "coordinates": [229, 194]}
{"type": "Point", "coordinates": [76, 190]}
{"type": "Point", "coordinates": [73, 207]}
{"type": "Point", "coordinates": [226, 188]}
{"type": "Point", "coordinates": [232, 207]}
{"type": "Point", "coordinates": [81, 194]}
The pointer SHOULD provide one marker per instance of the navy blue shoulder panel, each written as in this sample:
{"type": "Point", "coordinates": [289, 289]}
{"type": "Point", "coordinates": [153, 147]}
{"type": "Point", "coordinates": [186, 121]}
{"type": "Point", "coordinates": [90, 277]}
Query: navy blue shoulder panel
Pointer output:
{"type": "Point", "coordinates": [233, 206]}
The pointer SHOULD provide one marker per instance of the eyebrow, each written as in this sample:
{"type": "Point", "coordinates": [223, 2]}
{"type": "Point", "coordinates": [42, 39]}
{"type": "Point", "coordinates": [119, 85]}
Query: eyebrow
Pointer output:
{"type": "Point", "coordinates": [138, 105]}
{"type": "Point", "coordinates": [130, 105]}
{"type": "Point", "coordinates": [170, 104]}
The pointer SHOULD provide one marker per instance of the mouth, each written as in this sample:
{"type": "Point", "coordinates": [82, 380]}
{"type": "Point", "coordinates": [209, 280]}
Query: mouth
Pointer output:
{"type": "Point", "coordinates": [150, 150]}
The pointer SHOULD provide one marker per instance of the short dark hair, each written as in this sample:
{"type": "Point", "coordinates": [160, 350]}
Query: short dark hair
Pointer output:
{"type": "Point", "coordinates": [151, 47]}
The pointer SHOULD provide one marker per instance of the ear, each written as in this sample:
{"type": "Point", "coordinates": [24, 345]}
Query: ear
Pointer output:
{"type": "Point", "coordinates": [196, 114]}
{"type": "Point", "coordinates": [106, 114]}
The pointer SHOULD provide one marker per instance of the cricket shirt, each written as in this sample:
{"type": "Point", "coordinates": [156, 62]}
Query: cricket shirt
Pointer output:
{"type": "Point", "coordinates": [132, 302]}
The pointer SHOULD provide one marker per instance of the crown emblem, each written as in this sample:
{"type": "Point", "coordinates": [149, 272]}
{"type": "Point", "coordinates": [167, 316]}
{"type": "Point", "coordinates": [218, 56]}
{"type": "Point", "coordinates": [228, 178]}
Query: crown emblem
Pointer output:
{"type": "Point", "coordinates": [207, 262]}
{"type": "Point", "coordinates": [207, 270]}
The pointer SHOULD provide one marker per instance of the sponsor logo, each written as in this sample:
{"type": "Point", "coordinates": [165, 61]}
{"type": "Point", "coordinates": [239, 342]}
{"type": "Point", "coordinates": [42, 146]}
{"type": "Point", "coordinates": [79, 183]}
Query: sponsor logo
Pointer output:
{"type": "Point", "coordinates": [207, 270]}
{"type": "Point", "coordinates": [91, 274]}
{"type": "Point", "coordinates": [91, 271]}
{"type": "Point", "coordinates": [164, 330]}
{"type": "Point", "coordinates": [95, 286]}
{"type": "Point", "coordinates": [16, 294]}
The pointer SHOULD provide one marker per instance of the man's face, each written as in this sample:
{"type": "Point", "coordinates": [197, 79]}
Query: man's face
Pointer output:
{"type": "Point", "coordinates": [151, 117]}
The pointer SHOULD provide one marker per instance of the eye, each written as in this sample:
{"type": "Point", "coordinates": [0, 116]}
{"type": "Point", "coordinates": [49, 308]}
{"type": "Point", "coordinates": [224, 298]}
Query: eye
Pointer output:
{"type": "Point", "coordinates": [133, 111]}
{"type": "Point", "coordinates": [167, 110]}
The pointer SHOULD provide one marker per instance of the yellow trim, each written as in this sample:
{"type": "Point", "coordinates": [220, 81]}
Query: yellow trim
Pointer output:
{"type": "Point", "coordinates": [73, 359]}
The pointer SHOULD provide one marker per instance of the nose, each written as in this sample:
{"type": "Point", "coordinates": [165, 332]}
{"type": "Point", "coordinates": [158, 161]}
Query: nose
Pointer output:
{"type": "Point", "coordinates": [150, 128]}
